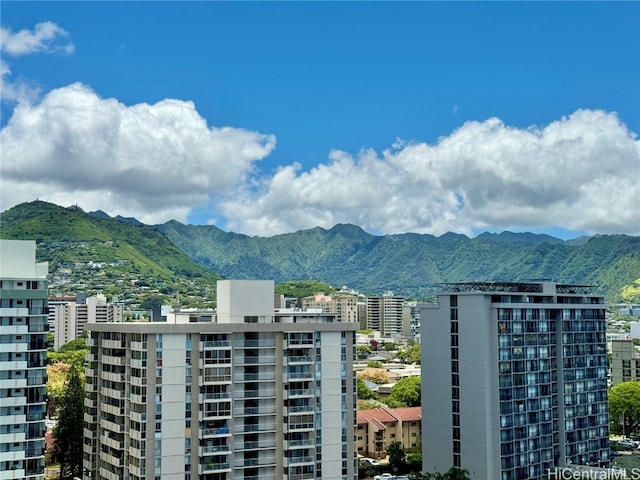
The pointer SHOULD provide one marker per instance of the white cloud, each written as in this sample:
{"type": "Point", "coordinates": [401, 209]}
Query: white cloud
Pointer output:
{"type": "Point", "coordinates": [154, 162]}
{"type": "Point", "coordinates": [46, 37]}
{"type": "Point", "coordinates": [580, 173]}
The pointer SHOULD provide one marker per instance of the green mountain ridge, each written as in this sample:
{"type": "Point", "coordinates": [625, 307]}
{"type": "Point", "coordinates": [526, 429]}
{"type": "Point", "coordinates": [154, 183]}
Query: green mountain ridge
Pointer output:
{"type": "Point", "coordinates": [130, 252]}
{"type": "Point", "coordinates": [409, 264]}
{"type": "Point", "coordinates": [412, 264]}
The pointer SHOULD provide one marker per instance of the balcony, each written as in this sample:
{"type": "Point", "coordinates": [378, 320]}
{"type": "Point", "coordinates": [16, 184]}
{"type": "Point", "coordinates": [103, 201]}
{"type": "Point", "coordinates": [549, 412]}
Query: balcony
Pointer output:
{"type": "Point", "coordinates": [108, 475]}
{"type": "Point", "coordinates": [305, 443]}
{"type": "Point", "coordinates": [112, 377]}
{"type": "Point", "coordinates": [213, 450]}
{"type": "Point", "coordinates": [112, 426]}
{"type": "Point", "coordinates": [298, 393]}
{"type": "Point", "coordinates": [215, 344]}
{"type": "Point", "coordinates": [254, 462]}
{"type": "Point", "coordinates": [299, 409]}
{"type": "Point", "coordinates": [119, 344]}
{"type": "Point", "coordinates": [262, 444]}
{"type": "Point", "coordinates": [111, 460]}
{"type": "Point", "coordinates": [271, 343]}
{"type": "Point", "coordinates": [263, 393]}
{"type": "Point", "coordinates": [298, 461]}
{"type": "Point", "coordinates": [250, 428]}
{"type": "Point", "coordinates": [256, 360]}
{"type": "Point", "coordinates": [297, 427]}
{"type": "Point", "coordinates": [113, 393]}
{"type": "Point", "coordinates": [255, 377]}
{"type": "Point", "coordinates": [215, 432]}
{"type": "Point", "coordinates": [252, 411]}
{"type": "Point", "coordinates": [210, 467]}
{"type": "Point", "coordinates": [111, 360]}
{"type": "Point", "coordinates": [289, 376]}
{"type": "Point", "coordinates": [139, 417]}
{"type": "Point", "coordinates": [111, 442]}
{"type": "Point", "coordinates": [212, 397]}
{"type": "Point", "coordinates": [298, 359]}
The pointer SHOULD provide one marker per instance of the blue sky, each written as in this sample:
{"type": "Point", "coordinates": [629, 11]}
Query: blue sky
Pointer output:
{"type": "Point", "coordinates": [265, 118]}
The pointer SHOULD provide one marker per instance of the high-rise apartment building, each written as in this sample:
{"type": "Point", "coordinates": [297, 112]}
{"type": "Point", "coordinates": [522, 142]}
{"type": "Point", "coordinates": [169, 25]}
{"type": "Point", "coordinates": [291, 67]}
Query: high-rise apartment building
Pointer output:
{"type": "Point", "coordinates": [253, 393]}
{"type": "Point", "coordinates": [23, 346]}
{"type": "Point", "coordinates": [625, 362]}
{"type": "Point", "coordinates": [514, 379]}
{"type": "Point", "coordinates": [386, 314]}
{"type": "Point", "coordinates": [71, 318]}
{"type": "Point", "coordinates": [344, 305]}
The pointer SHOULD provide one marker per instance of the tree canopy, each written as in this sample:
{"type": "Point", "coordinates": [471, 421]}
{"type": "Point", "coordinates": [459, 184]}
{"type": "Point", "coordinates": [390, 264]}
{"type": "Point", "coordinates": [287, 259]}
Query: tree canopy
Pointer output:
{"type": "Point", "coordinates": [624, 407]}
{"type": "Point", "coordinates": [405, 393]}
{"type": "Point", "coordinates": [410, 354]}
{"type": "Point", "coordinates": [364, 392]}
{"type": "Point", "coordinates": [68, 432]}
{"type": "Point", "coordinates": [375, 375]}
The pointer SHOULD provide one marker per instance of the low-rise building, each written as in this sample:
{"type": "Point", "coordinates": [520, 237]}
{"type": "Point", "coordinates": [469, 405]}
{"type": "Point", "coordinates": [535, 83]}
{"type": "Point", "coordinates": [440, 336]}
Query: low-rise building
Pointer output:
{"type": "Point", "coordinates": [378, 428]}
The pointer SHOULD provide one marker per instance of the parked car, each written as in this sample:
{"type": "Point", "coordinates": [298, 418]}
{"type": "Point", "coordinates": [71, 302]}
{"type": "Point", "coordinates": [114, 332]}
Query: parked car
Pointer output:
{"type": "Point", "coordinates": [370, 461]}
{"type": "Point", "coordinates": [384, 476]}
{"type": "Point", "coordinates": [627, 442]}
{"type": "Point", "coordinates": [613, 453]}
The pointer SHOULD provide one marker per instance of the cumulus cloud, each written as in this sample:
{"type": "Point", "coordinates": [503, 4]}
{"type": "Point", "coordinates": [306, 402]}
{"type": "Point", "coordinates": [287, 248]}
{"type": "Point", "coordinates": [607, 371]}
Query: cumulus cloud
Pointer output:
{"type": "Point", "coordinates": [154, 162]}
{"type": "Point", "coordinates": [46, 37]}
{"type": "Point", "coordinates": [579, 173]}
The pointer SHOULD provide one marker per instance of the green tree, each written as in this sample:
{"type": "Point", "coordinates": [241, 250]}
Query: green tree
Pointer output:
{"type": "Point", "coordinates": [364, 392]}
{"type": "Point", "coordinates": [405, 393]}
{"type": "Point", "coordinates": [624, 407]}
{"type": "Point", "coordinates": [363, 351]}
{"type": "Point", "coordinates": [389, 346]}
{"type": "Point", "coordinates": [74, 345]}
{"type": "Point", "coordinates": [454, 473]}
{"type": "Point", "coordinates": [68, 432]}
{"type": "Point", "coordinates": [374, 364]}
{"type": "Point", "coordinates": [396, 457]}
{"type": "Point", "coordinates": [411, 354]}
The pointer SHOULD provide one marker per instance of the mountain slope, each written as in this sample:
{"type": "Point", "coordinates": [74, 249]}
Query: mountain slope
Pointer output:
{"type": "Point", "coordinates": [68, 236]}
{"type": "Point", "coordinates": [411, 264]}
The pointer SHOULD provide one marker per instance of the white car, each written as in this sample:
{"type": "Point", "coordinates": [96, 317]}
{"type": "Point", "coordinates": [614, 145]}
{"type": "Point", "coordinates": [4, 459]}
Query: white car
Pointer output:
{"type": "Point", "coordinates": [384, 476]}
{"type": "Point", "coordinates": [627, 442]}
{"type": "Point", "coordinates": [370, 461]}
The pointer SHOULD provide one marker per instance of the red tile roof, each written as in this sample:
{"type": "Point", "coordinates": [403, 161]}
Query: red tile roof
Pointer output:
{"type": "Point", "coordinates": [382, 415]}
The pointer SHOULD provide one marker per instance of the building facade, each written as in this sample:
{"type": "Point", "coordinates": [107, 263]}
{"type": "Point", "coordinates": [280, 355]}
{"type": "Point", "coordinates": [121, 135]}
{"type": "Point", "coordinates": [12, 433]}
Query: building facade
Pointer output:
{"type": "Point", "coordinates": [380, 427]}
{"type": "Point", "coordinates": [625, 362]}
{"type": "Point", "coordinates": [23, 347]}
{"type": "Point", "coordinates": [71, 318]}
{"type": "Point", "coordinates": [387, 315]}
{"type": "Point", "coordinates": [255, 394]}
{"type": "Point", "coordinates": [343, 305]}
{"type": "Point", "coordinates": [514, 379]}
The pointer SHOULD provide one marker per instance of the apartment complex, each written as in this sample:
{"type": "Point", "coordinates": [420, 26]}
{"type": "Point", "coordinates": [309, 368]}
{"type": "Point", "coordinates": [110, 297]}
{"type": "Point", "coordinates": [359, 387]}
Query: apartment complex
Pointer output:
{"type": "Point", "coordinates": [514, 379]}
{"type": "Point", "coordinates": [380, 427]}
{"type": "Point", "coordinates": [388, 315]}
{"type": "Point", "coordinates": [23, 346]}
{"type": "Point", "coordinates": [625, 362]}
{"type": "Point", "coordinates": [343, 305]}
{"type": "Point", "coordinates": [253, 393]}
{"type": "Point", "coordinates": [71, 318]}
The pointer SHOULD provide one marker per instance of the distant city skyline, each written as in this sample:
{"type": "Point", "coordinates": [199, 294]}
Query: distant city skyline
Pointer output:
{"type": "Point", "coordinates": [268, 118]}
